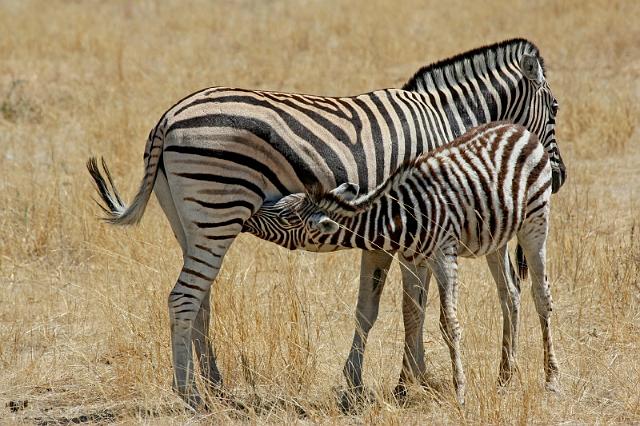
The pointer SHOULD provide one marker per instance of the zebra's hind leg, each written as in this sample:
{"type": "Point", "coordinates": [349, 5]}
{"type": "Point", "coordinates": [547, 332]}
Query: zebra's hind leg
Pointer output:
{"type": "Point", "coordinates": [201, 266]}
{"type": "Point", "coordinates": [415, 283]}
{"type": "Point", "coordinates": [444, 266]}
{"type": "Point", "coordinates": [200, 330]}
{"type": "Point", "coordinates": [373, 273]}
{"type": "Point", "coordinates": [532, 238]}
{"type": "Point", "coordinates": [204, 349]}
{"type": "Point", "coordinates": [509, 293]}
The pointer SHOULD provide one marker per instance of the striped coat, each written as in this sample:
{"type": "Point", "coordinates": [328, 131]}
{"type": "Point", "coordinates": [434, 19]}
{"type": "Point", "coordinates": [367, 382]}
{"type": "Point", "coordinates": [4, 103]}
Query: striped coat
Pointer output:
{"type": "Point", "coordinates": [466, 199]}
{"type": "Point", "coordinates": [218, 155]}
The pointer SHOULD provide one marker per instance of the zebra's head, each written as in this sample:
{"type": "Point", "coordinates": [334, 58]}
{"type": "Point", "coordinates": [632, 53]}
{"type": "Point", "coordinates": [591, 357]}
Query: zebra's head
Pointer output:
{"type": "Point", "coordinates": [305, 219]}
{"type": "Point", "coordinates": [539, 114]}
{"type": "Point", "coordinates": [294, 221]}
{"type": "Point", "coordinates": [278, 222]}
{"type": "Point", "coordinates": [310, 211]}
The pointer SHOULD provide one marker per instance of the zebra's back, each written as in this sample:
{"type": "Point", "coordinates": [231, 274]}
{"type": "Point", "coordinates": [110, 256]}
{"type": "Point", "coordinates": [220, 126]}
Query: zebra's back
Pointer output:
{"type": "Point", "coordinates": [308, 140]}
{"type": "Point", "coordinates": [477, 191]}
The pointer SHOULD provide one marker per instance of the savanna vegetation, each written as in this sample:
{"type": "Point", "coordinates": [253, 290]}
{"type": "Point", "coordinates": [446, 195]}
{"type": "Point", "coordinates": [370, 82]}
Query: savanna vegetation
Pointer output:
{"type": "Point", "coordinates": [84, 330]}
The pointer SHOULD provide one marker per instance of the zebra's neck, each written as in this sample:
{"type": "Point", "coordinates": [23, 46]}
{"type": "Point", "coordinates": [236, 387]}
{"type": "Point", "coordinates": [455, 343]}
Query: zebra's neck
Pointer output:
{"type": "Point", "coordinates": [374, 221]}
{"type": "Point", "coordinates": [373, 228]}
{"type": "Point", "coordinates": [477, 78]}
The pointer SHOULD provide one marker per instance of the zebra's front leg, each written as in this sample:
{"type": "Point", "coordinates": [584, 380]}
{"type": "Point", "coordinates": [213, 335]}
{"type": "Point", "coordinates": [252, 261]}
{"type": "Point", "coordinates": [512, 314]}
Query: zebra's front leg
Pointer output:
{"type": "Point", "coordinates": [201, 266]}
{"type": "Point", "coordinates": [204, 349]}
{"type": "Point", "coordinates": [444, 266]}
{"type": "Point", "coordinates": [415, 283]}
{"type": "Point", "coordinates": [373, 273]}
{"type": "Point", "coordinates": [509, 293]}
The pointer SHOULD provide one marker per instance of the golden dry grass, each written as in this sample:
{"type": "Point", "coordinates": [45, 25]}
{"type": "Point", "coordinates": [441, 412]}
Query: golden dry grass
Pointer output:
{"type": "Point", "coordinates": [83, 319]}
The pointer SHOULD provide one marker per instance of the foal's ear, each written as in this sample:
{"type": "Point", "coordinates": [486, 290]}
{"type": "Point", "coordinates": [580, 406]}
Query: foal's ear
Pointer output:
{"type": "Point", "coordinates": [530, 66]}
{"type": "Point", "coordinates": [347, 191]}
{"type": "Point", "coordinates": [322, 223]}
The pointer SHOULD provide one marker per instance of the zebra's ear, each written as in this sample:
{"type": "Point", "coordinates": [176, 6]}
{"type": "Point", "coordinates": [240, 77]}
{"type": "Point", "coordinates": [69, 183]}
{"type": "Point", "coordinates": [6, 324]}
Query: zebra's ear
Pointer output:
{"type": "Point", "coordinates": [531, 68]}
{"type": "Point", "coordinates": [347, 191]}
{"type": "Point", "coordinates": [322, 223]}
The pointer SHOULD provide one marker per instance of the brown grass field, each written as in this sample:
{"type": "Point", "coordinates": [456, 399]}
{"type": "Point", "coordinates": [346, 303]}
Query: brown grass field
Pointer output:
{"type": "Point", "coordinates": [84, 333]}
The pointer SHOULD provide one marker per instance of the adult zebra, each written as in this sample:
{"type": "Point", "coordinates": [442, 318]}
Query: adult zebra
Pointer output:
{"type": "Point", "coordinates": [465, 199]}
{"type": "Point", "coordinates": [217, 155]}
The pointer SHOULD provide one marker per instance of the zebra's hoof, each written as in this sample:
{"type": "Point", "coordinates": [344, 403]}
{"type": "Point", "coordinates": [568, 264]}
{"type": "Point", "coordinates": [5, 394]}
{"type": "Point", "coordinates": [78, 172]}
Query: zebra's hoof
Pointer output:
{"type": "Point", "coordinates": [400, 392]}
{"type": "Point", "coordinates": [231, 401]}
{"type": "Point", "coordinates": [351, 401]}
{"type": "Point", "coordinates": [195, 402]}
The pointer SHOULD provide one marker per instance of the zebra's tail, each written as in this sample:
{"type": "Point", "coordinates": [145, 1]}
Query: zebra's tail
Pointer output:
{"type": "Point", "coordinates": [117, 212]}
{"type": "Point", "coordinates": [523, 268]}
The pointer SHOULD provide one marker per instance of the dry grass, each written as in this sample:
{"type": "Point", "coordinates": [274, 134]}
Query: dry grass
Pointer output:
{"type": "Point", "coordinates": [83, 319]}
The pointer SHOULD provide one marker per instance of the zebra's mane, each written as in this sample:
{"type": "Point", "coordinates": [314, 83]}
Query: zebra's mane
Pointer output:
{"type": "Point", "coordinates": [486, 54]}
{"type": "Point", "coordinates": [329, 202]}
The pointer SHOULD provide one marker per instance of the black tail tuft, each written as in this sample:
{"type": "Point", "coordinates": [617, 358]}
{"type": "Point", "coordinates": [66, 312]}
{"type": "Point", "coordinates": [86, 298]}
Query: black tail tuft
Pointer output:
{"type": "Point", "coordinates": [101, 184]}
{"type": "Point", "coordinates": [108, 194]}
{"type": "Point", "coordinates": [523, 268]}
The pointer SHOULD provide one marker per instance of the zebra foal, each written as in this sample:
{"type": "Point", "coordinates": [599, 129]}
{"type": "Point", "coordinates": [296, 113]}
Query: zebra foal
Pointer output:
{"type": "Point", "coordinates": [465, 199]}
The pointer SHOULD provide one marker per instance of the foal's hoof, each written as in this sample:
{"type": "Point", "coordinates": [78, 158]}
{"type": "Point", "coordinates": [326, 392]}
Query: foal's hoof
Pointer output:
{"type": "Point", "coordinates": [552, 386]}
{"type": "Point", "coordinates": [503, 384]}
{"type": "Point", "coordinates": [504, 379]}
{"type": "Point", "coordinates": [460, 393]}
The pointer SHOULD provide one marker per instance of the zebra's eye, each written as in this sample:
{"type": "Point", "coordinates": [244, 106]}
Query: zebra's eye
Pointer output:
{"type": "Point", "coordinates": [288, 218]}
{"type": "Point", "coordinates": [555, 107]}
{"type": "Point", "coordinates": [283, 216]}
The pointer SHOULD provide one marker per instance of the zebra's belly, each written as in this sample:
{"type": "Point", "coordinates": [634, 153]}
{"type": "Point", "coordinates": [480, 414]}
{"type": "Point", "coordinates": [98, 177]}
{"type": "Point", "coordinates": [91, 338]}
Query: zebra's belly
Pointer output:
{"type": "Point", "coordinates": [483, 236]}
{"type": "Point", "coordinates": [480, 248]}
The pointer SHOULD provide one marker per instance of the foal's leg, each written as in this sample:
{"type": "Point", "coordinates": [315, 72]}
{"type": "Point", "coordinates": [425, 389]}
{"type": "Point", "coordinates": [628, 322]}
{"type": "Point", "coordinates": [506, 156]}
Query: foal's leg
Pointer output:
{"type": "Point", "coordinates": [532, 238]}
{"type": "Point", "coordinates": [444, 265]}
{"type": "Point", "coordinates": [509, 293]}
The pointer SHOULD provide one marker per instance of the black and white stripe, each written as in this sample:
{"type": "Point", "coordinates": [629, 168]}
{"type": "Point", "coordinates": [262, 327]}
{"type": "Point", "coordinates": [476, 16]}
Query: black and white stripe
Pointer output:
{"type": "Point", "coordinates": [219, 154]}
{"type": "Point", "coordinates": [467, 199]}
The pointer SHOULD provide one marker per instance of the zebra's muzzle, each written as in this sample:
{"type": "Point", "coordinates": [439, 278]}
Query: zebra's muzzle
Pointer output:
{"type": "Point", "coordinates": [558, 177]}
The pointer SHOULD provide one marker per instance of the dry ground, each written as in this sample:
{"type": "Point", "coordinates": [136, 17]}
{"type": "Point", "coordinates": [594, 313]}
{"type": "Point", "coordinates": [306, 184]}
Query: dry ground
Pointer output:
{"type": "Point", "coordinates": [83, 319]}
